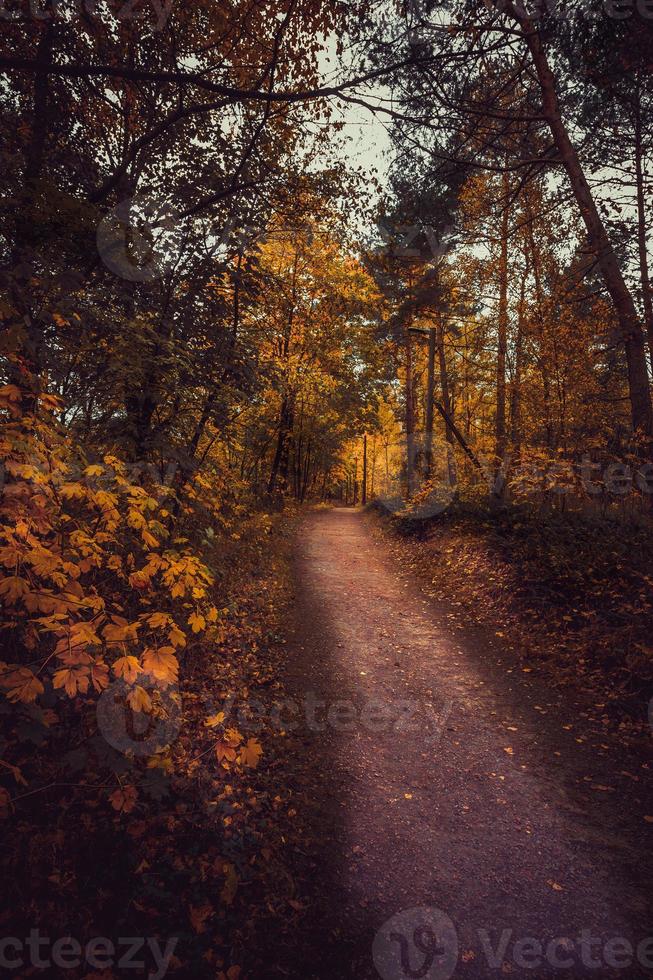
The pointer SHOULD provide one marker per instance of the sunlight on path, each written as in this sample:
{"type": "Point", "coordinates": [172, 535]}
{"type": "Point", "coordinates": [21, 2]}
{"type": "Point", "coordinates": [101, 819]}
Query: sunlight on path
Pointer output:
{"type": "Point", "coordinates": [447, 799]}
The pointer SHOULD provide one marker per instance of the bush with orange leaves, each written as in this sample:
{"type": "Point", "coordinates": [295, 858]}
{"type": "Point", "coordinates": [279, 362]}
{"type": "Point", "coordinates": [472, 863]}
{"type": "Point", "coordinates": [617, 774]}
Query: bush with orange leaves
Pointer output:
{"type": "Point", "coordinates": [94, 584]}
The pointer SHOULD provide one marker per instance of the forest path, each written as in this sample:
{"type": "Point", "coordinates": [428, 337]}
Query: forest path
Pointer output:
{"type": "Point", "coordinates": [441, 778]}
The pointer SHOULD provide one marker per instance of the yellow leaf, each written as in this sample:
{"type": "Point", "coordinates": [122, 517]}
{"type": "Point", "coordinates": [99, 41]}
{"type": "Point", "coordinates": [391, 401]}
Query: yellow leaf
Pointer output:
{"type": "Point", "coordinates": [162, 664]}
{"type": "Point", "coordinates": [176, 637]}
{"type": "Point", "coordinates": [250, 753]}
{"type": "Point", "coordinates": [120, 630]}
{"type": "Point", "coordinates": [149, 539]}
{"type": "Point", "coordinates": [127, 667]}
{"type": "Point", "coordinates": [72, 679]}
{"type": "Point", "coordinates": [158, 619]}
{"type": "Point", "coordinates": [214, 720]}
{"type": "Point", "coordinates": [139, 700]}
{"type": "Point", "coordinates": [197, 622]}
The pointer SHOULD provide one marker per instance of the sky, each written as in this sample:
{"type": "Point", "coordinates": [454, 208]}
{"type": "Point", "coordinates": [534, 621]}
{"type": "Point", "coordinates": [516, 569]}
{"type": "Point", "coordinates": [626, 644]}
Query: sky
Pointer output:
{"type": "Point", "coordinates": [365, 141]}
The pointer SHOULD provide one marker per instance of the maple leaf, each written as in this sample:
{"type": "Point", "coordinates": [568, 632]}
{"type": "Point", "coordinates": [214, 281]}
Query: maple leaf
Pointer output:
{"type": "Point", "coordinates": [72, 679]}
{"type": "Point", "coordinates": [120, 630]}
{"type": "Point", "coordinates": [197, 622]}
{"type": "Point", "coordinates": [124, 799]}
{"type": "Point", "coordinates": [250, 753]}
{"type": "Point", "coordinates": [224, 751]}
{"type": "Point", "coordinates": [139, 700]}
{"type": "Point", "coordinates": [162, 664]}
{"type": "Point", "coordinates": [13, 587]}
{"type": "Point", "coordinates": [158, 619]}
{"type": "Point", "coordinates": [149, 539]}
{"type": "Point", "coordinates": [127, 667]}
{"type": "Point", "coordinates": [214, 720]}
{"type": "Point", "coordinates": [22, 685]}
{"type": "Point", "coordinates": [100, 675]}
{"type": "Point", "coordinates": [176, 637]}
{"type": "Point", "coordinates": [73, 491]}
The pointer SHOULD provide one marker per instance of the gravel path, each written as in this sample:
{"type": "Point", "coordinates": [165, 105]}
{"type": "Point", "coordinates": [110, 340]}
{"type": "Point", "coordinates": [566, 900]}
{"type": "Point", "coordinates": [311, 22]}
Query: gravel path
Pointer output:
{"type": "Point", "coordinates": [447, 781]}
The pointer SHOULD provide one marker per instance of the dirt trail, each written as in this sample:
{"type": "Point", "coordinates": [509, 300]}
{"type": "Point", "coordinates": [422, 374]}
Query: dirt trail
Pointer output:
{"type": "Point", "coordinates": [444, 779]}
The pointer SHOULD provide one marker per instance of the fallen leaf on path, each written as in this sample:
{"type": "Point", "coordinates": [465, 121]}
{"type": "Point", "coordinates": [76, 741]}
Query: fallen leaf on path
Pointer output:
{"type": "Point", "coordinates": [198, 917]}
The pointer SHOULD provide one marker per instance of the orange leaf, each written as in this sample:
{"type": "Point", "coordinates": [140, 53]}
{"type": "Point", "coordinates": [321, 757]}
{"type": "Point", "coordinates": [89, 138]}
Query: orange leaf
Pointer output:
{"type": "Point", "coordinates": [73, 679]}
{"type": "Point", "coordinates": [197, 622]}
{"type": "Point", "coordinates": [225, 751]}
{"type": "Point", "coordinates": [22, 685]}
{"type": "Point", "coordinates": [139, 700]}
{"type": "Point", "coordinates": [124, 799]}
{"type": "Point", "coordinates": [162, 664]}
{"type": "Point", "coordinates": [250, 753]}
{"type": "Point", "coordinates": [127, 667]}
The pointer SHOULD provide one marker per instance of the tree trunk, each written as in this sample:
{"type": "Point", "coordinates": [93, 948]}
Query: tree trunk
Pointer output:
{"type": "Point", "coordinates": [446, 399]}
{"type": "Point", "coordinates": [647, 298]}
{"type": "Point", "coordinates": [542, 360]}
{"type": "Point", "coordinates": [410, 417]}
{"type": "Point", "coordinates": [515, 399]}
{"type": "Point", "coordinates": [631, 331]}
{"type": "Point", "coordinates": [502, 342]}
{"type": "Point", "coordinates": [280, 461]}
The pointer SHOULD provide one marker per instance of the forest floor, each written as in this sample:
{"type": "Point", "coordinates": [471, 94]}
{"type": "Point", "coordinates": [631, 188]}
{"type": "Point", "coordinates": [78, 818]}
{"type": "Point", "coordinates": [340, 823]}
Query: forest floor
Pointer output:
{"type": "Point", "coordinates": [437, 772]}
{"type": "Point", "coordinates": [426, 744]}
